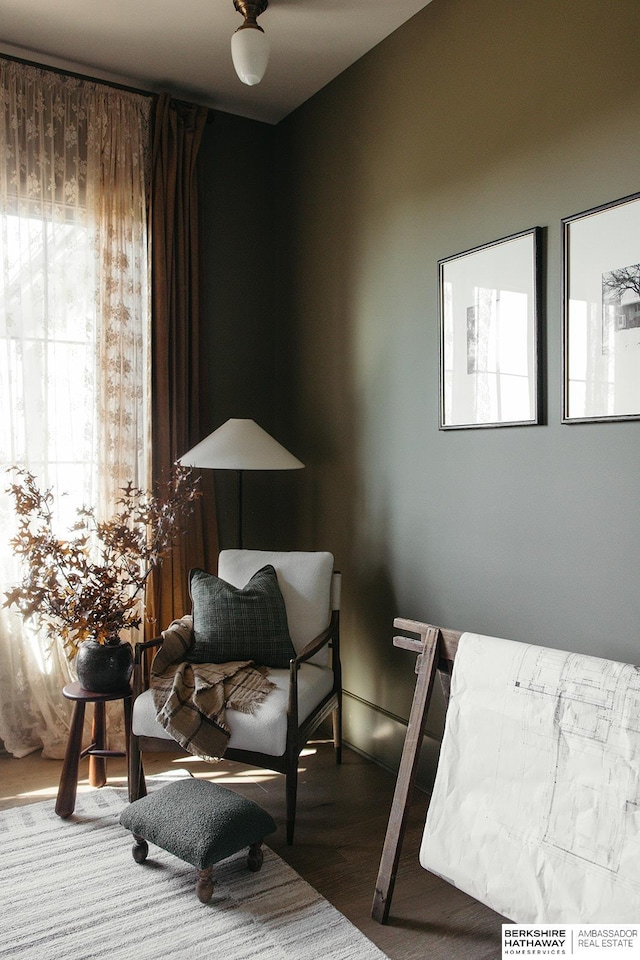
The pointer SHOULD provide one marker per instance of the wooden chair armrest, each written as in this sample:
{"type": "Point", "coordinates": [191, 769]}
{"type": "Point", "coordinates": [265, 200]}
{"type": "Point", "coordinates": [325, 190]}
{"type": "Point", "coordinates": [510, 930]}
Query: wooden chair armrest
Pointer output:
{"type": "Point", "coordinates": [315, 645]}
{"type": "Point", "coordinates": [140, 648]}
{"type": "Point", "coordinates": [141, 665]}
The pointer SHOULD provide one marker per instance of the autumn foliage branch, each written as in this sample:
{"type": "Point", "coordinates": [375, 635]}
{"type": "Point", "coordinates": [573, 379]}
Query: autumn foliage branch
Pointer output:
{"type": "Point", "coordinates": [90, 586]}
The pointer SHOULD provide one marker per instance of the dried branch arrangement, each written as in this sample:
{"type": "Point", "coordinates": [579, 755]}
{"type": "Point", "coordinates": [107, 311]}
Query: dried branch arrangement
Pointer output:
{"type": "Point", "coordinates": [90, 586]}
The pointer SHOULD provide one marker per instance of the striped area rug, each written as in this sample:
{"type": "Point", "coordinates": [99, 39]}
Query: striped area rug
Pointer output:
{"type": "Point", "coordinates": [71, 890]}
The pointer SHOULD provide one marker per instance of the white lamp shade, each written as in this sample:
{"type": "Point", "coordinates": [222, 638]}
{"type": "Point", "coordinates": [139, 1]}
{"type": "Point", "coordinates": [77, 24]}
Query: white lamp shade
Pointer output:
{"type": "Point", "coordinates": [250, 54]}
{"type": "Point", "coordinates": [240, 445]}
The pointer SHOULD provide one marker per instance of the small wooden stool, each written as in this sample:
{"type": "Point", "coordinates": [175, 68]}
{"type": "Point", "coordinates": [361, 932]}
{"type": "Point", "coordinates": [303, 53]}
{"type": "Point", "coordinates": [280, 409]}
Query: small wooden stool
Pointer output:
{"type": "Point", "coordinates": [96, 751]}
{"type": "Point", "coordinates": [201, 823]}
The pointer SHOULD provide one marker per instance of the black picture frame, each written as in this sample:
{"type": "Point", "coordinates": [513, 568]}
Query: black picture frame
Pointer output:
{"type": "Point", "coordinates": [490, 320]}
{"type": "Point", "coordinates": [601, 313]}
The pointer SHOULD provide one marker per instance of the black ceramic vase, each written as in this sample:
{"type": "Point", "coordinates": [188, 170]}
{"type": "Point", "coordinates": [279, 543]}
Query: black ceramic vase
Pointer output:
{"type": "Point", "coordinates": [104, 668]}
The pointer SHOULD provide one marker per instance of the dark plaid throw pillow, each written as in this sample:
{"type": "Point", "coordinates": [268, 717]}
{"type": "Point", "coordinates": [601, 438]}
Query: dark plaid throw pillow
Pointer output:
{"type": "Point", "coordinates": [230, 623]}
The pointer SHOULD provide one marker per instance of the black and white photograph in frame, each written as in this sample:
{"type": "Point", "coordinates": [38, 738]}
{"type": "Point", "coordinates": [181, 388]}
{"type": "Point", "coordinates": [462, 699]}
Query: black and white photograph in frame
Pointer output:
{"type": "Point", "coordinates": [489, 314]}
{"type": "Point", "coordinates": [601, 307]}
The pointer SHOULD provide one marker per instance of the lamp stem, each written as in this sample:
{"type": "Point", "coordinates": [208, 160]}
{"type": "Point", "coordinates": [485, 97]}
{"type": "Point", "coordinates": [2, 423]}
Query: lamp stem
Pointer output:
{"type": "Point", "coordinates": [240, 509]}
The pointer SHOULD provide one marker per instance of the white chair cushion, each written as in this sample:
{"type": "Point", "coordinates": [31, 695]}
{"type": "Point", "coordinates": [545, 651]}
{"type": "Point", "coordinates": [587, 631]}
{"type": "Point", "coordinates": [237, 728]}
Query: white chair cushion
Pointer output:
{"type": "Point", "coordinates": [264, 731]}
{"type": "Point", "coordinates": [305, 581]}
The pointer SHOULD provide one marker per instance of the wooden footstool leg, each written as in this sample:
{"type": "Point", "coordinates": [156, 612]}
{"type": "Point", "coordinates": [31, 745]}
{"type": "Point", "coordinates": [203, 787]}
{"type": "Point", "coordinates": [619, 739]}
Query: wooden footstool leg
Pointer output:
{"type": "Point", "coordinates": [256, 856]}
{"type": "Point", "coordinates": [140, 849]}
{"type": "Point", "coordinates": [204, 885]}
{"type": "Point", "coordinates": [201, 823]}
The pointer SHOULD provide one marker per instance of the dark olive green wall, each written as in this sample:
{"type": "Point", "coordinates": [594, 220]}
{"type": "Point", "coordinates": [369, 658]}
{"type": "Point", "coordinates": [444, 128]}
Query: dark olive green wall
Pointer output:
{"type": "Point", "coordinates": [239, 331]}
{"type": "Point", "coordinates": [477, 119]}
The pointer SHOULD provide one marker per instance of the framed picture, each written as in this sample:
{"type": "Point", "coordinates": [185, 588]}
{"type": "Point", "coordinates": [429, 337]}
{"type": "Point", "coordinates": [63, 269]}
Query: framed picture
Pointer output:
{"type": "Point", "coordinates": [601, 308]}
{"type": "Point", "coordinates": [490, 326]}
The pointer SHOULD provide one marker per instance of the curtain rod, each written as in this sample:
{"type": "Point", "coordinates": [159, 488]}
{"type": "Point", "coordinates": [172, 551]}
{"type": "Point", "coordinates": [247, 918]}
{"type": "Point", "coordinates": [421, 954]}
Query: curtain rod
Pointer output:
{"type": "Point", "coordinates": [77, 76]}
{"type": "Point", "coordinates": [83, 76]}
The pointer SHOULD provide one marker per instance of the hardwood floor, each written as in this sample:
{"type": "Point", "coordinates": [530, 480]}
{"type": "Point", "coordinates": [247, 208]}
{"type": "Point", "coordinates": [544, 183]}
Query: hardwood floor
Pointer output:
{"type": "Point", "coordinates": [341, 822]}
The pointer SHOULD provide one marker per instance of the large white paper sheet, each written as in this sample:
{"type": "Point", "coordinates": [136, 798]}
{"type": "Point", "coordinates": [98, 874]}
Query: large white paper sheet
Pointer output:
{"type": "Point", "coordinates": [536, 805]}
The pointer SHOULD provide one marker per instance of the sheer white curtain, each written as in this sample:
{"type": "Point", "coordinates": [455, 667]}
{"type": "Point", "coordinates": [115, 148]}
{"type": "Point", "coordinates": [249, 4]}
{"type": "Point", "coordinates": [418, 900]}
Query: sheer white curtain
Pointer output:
{"type": "Point", "coordinates": [74, 336]}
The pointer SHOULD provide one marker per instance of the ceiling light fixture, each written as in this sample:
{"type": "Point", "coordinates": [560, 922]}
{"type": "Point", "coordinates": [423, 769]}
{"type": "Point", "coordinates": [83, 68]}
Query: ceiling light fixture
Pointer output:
{"type": "Point", "coordinates": [249, 45]}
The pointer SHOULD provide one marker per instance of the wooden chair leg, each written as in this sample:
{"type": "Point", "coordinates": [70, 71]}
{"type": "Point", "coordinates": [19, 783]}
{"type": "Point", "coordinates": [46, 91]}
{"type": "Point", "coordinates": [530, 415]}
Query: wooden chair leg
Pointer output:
{"type": "Point", "coordinates": [292, 793]}
{"type": "Point", "coordinates": [337, 731]}
{"type": "Point", "coordinates": [135, 771]}
{"type": "Point", "coordinates": [127, 707]}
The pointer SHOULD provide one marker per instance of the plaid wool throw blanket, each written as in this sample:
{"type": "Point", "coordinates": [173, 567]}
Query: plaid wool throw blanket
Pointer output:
{"type": "Point", "coordinates": [191, 698]}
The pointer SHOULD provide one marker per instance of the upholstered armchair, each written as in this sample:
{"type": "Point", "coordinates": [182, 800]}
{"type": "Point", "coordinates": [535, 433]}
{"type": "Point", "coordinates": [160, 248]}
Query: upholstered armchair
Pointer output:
{"type": "Point", "coordinates": [305, 692]}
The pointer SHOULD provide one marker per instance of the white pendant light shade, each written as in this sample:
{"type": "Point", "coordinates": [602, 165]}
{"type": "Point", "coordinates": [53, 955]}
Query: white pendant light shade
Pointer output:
{"type": "Point", "coordinates": [250, 53]}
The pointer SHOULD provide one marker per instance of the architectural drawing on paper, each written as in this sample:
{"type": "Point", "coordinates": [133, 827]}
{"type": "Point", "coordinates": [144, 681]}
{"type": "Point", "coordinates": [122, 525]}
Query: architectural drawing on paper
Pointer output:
{"type": "Point", "coordinates": [536, 805]}
{"type": "Point", "coordinates": [583, 715]}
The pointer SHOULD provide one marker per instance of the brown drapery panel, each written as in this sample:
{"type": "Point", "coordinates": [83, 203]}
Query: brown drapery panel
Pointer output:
{"type": "Point", "coordinates": [175, 318]}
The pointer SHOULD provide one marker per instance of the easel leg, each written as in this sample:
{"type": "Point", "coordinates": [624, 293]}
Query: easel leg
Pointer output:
{"type": "Point", "coordinates": [426, 670]}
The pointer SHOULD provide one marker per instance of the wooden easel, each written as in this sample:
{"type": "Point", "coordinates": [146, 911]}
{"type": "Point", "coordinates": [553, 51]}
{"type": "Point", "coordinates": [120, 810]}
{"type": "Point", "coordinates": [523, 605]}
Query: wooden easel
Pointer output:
{"type": "Point", "coordinates": [436, 649]}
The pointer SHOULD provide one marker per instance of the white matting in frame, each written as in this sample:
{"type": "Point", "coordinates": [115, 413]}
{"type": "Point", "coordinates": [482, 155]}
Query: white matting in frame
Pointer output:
{"type": "Point", "coordinates": [489, 312]}
{"type": "Point", "coordinates": [601, 307]}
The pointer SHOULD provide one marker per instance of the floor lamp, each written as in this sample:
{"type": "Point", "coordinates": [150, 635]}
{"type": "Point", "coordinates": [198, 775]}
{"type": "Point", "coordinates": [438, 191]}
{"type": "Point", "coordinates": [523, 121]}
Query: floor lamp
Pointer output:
{"type": "Point", "coordinates": [240, 445]}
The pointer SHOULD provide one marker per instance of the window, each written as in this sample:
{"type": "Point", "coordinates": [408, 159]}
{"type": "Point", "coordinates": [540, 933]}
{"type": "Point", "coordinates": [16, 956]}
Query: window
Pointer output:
{"type": "Point", "coordinates": [74, 331]}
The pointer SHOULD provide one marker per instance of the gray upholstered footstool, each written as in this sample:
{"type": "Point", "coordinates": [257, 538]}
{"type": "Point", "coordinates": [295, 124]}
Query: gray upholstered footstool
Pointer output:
{"type": "Point", "coordinates": [199, 822]}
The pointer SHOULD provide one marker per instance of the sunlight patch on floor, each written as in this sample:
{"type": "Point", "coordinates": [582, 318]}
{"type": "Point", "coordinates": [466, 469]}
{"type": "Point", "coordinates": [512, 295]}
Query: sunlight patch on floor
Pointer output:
{"type": "Point", "coordinates": [224, 772]}
{"type": "Point", "coordinates": [202, 771]}
{"type": "Point", "coordinates": [51, 792]}
{"type": "Point", "coordinates": [46, 793]}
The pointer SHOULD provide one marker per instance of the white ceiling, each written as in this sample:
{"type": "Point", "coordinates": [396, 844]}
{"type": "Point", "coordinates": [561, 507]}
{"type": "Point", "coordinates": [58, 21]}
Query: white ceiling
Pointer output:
{"type": "Point", "coordinates": [184, 45]}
